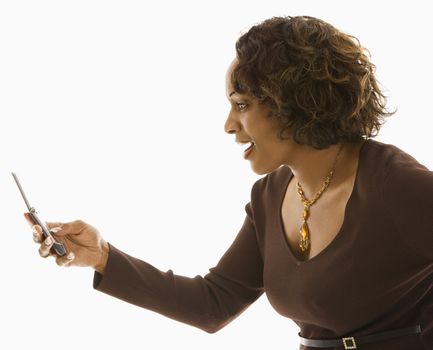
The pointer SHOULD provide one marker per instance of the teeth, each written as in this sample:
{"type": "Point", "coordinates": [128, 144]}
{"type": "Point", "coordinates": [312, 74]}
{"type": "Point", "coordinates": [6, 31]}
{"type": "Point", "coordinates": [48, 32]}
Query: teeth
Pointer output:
{"type": "Point", "coordinates": [246, 145]}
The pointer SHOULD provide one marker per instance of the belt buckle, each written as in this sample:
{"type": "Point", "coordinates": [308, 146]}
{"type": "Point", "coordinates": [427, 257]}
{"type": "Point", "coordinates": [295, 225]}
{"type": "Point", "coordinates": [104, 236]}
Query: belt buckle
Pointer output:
{"type": "Point", "coordinates": [349, 346]}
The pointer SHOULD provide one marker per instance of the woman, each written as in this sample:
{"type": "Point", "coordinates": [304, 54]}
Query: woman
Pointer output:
{"type": "Point", "coordinates": [338, 233]}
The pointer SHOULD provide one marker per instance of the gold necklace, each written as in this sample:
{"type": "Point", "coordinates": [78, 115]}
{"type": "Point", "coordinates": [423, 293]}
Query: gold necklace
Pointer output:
{"type": "Point", "coordinates": [304, 230]}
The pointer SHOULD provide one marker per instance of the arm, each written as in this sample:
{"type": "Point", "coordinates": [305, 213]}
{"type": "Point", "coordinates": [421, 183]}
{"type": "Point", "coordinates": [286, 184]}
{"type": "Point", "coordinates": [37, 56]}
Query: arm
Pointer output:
{"type": "Point", "coordinates": [208, 302]}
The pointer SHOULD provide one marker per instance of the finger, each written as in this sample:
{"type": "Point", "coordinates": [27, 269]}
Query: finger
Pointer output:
{"type": "Point", "coordinates": [37, 233]}
{"type": "Point", "coordinates": [37, 238]}
{"type": "Point", "coordinates": [44, 249]}
{"type": "Point", "coordinates": [37, 229]}
{"type": "Point", "coordinates": [29, 219]}
{"type": "Point", "coordinates": [65, 260]}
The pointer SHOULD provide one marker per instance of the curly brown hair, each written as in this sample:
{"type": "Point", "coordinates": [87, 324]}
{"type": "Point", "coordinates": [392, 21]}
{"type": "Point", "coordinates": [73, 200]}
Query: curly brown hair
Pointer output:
{"type": "Point", "coordinates": [315, 79]}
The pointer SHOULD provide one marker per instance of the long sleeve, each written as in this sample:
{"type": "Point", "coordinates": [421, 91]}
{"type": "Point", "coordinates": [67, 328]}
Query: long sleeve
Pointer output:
{"type": "Point", "coordinates": [408, 199]}
{"type": "Point", "coordinates": [208, 302]}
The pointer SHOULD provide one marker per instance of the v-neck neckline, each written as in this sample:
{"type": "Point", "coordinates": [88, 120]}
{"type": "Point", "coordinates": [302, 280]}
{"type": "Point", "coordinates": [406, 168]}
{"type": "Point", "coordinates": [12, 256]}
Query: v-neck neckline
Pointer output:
{"type": "Point", "coordinates": [347, 210]}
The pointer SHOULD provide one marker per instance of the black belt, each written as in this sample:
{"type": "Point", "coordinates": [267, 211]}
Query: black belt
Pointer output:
{"type": "Point", "coordinates": [353, 342]}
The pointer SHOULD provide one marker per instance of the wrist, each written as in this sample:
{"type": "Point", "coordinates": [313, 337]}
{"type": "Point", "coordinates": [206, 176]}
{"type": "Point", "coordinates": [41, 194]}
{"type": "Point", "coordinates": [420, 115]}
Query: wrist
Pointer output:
{"type": "Point", "coordinates": [103, 257]}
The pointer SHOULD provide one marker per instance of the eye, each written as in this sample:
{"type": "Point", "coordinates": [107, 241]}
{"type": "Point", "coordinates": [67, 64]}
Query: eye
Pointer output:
{"type": "Point", "coordinates": [241, 106]}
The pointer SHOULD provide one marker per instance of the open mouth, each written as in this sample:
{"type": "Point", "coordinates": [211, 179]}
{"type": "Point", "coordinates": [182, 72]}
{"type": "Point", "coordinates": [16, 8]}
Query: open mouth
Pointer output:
{"type": "Point", "coordinates": [250, 147]}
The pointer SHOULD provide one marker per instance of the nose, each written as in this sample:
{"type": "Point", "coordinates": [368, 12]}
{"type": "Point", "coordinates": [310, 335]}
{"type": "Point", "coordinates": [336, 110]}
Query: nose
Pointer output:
{"type": "Point", "coordinates": [231, 126]}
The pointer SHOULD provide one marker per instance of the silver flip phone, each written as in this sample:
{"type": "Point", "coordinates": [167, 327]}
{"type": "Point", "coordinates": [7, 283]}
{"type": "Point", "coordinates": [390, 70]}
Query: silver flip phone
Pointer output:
{"type": "Point", "coordinates": [58, 247]}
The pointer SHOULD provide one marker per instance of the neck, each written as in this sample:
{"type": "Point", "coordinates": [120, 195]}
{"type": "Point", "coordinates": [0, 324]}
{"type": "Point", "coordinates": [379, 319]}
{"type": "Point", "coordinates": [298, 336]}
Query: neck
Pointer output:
{"type": "Point", "coordinates": [310, 166]}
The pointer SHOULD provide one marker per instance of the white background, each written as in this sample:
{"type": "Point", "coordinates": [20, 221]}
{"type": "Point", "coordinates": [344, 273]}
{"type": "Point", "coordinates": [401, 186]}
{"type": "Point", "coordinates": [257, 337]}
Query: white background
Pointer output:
{"type": "Point", "coordinates": [113, 112]}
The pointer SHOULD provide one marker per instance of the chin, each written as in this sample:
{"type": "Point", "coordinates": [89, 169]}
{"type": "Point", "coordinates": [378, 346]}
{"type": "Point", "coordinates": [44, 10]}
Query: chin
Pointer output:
{"type": "Point", "coordinates": [264, 170]}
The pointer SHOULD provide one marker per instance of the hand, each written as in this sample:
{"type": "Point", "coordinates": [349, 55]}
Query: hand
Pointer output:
{"type": "Point", "coordinates": [83, 242]}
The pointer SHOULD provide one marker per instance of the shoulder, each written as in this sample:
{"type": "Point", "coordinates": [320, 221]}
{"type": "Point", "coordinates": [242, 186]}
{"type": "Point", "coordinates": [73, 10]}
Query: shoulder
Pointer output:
{"type": "Point", "coordinates": [271, 184]}
{"type": "Point", "coordinates": [406, 182]}
{"type": "Point", "coordinates": [402, 168]}
{"type": "Point", "coordinates": [384, 161]}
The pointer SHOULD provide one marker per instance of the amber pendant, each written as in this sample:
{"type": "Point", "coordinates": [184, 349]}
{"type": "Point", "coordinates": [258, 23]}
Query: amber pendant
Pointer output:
{"type": "Point", "coordinates": [305, 237]}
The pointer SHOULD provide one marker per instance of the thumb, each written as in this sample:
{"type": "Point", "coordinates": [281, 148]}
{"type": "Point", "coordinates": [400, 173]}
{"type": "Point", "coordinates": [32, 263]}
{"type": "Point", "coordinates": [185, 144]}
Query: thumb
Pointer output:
{"type": "Point", "coordinates": [62, 229]}
{"type": "Point", "coordinates": [51, 225]}
{"type": "Point", "coordinates": [58, 228]}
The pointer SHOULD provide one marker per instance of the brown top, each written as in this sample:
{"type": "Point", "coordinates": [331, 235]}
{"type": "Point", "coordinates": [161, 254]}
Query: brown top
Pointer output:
{"type": "Point", "coordinates": [375, 275]}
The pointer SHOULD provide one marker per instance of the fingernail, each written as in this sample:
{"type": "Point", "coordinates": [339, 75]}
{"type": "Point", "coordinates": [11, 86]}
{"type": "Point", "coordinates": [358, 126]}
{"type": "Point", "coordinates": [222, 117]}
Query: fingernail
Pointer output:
{"type": "Point", "coordinates": [56, 229]}
{"type": "Point", "coordinates": [70, 256]}
{"type": "Point", "coordinates": [48, 241]}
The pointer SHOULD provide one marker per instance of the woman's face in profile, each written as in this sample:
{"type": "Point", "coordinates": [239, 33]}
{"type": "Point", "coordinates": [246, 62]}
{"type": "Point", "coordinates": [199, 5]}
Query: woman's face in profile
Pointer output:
{"type": "Point", "coordinates": [249, 121]}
